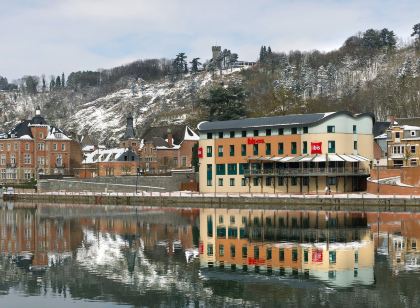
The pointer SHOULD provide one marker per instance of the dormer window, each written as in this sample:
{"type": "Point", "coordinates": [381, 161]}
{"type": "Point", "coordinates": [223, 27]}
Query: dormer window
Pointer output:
{"type": "Point", "coordinates": [413, 133]}
{"type": "Point", "coordinates": [41, 135]}
{"type": "Point", "coordinates": [58, 135]}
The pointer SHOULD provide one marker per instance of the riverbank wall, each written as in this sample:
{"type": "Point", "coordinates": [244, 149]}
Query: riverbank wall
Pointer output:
{"type": "Point", "coordinates": [192, 200]}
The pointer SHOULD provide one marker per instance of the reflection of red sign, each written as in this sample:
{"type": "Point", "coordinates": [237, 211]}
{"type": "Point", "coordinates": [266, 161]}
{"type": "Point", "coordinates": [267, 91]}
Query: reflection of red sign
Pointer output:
{"type": "Point", "coordinates": [317, 255]}
{"type": "Point", "coordinates": [255, 141]}
{"type": "Point", "coordinates": [201, 248]}
{"type": "Point", "coordinates": [316, 147]}
{"type": "Point", "coordinates": [200, 152]}
{"type": "Point", "coordinates": [253, 261]}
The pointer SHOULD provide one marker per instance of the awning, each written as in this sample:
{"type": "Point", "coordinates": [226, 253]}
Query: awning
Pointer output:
{"type": "Point", "coordinates": [319, 158]}
{"type": "Point", "coordinates": [334, 158]}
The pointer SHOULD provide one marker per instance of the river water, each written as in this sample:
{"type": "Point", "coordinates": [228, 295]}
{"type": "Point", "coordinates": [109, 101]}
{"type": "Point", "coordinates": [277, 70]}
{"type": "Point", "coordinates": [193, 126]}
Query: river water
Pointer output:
{"type": "Point", "coordinates": [85, 256]}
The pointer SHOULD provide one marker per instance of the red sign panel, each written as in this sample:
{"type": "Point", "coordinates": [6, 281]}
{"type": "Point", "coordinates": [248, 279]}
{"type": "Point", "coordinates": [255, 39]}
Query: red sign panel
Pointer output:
{"type": "Point", "coordinates": [317, 256]}
{"type": "Point", "coordinates": [255, 141]}
{"type": "Point", "coordinates": [316, 147]}
{"type": "Point", "coordinates": [253, 261]}
{"type": "Point", "coordinates": [201, 248]}
{"type": "Point", "coordinates": [200, 152]}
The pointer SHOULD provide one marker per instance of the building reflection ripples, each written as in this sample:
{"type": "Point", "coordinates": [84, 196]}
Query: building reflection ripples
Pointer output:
{"type": "Point", "coordinates": [131, 255]}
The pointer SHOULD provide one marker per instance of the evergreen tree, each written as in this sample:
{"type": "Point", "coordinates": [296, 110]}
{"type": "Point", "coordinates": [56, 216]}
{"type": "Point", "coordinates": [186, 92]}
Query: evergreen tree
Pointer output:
{"type": "Point", "coordinates": [194, 65]}
{"type": "Point", "coordinates": [44, 86]}
{"type": "Point", "coordinates": [63, 83]}
{"type": "Point", "coordinates": [58, 82]}
{"type": "Point", "coordinates": [416, 34]}
{"type": "Point", "coordinates": [52, 84]}
{"type": "Point", "coordinates": [194, 157]}
{"type": "Point", "coordinates": [225, 103]}
{"type": "Point", "coordinates": [211, 67]}
{"type": "Point", "coordinates": [388, 39]}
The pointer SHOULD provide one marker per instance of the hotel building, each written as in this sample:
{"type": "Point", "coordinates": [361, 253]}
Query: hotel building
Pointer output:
{"type": "Point", "coordinates": [287, 154]}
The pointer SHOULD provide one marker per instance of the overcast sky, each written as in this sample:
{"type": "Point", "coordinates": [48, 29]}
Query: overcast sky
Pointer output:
{"type": "Point", "coordinates": [50, 37]}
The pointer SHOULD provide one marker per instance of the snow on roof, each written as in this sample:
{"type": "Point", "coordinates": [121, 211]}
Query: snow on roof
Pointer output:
{"type": "Point", "coordinates": [190, 134]}
{"type": "Point", "coordinates": [410, 127]}
{"type": "Point", "coordinates": [26, 137]}
{"type": "Point", "coordinates": [55, 134]}
{"type": "Point", "coordinates": [106, 155]}
{"type": "Point", "coordinates": [383, 136]}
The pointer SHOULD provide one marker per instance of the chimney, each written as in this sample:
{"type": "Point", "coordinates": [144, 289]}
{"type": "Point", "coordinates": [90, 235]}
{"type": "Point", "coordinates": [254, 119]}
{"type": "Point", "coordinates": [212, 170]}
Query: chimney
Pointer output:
{"type": "Point", "coordinates": [170, 139]}
{"type": "Point", "coordinates": [37, 111]}
{"type": "Point", "coordinates": [391, 118]}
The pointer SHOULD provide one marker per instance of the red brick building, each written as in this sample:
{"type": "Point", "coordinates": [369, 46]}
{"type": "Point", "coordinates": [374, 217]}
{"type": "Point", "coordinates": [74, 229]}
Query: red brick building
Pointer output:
{"type": "Point", "coordinates": [33, 147]}
{"type": "Point", "coordinates": [167, 147]}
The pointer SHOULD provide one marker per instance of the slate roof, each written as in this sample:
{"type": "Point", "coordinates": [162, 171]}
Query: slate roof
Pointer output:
{"type": "Point", "coordinates": [162, 132]}
{"type": "Point", "coordinates": [380, 127]}
{"type": "Point", "coordinates": [281, 121]}
{"type": "Point", "coordinates": [129, 129]}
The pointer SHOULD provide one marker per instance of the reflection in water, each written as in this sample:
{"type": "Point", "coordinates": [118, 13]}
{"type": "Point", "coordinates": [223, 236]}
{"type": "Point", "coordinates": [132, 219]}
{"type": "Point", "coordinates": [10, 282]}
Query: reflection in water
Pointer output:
{"type": "Point", "coordinates": [336, 248]}
{"type": "Point", "coordinates": [152, 256]}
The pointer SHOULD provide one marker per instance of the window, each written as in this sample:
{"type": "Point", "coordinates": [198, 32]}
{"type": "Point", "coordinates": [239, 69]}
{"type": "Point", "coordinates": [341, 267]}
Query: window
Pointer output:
{"type": "Point", "coordinates": [413, 244]}
{"type": "Point", "coordinates": [268, 181]}
{"type": "Point", "coordinates": [232, 219]}
{"type": "Point", "coordinates": [268, 132]}
{"type": "Point", "coordinates": [41, 161]}
{"type": "Point", "coordinates": [305, 256]}
{"type": "Point", "coordinates": [243, 149]}
{"type": "Point", "coordinates": [413, 162]}
{"type": "Point", "coordinates": [281, 131]}
{"type": "Point", "coordinates": [232, 134]}
{"type": "Point", "coordinates": [281, 181]}
{"type": "Point", "coordinates": [13, 159]}
{"type": "Point", "coordinates": [269, 253]}
{"type": "Point", "coordinates": [232, 169]}
{"type": "Point", "coordinates": [220, 135]}
{"type": "Point", "coordinates": [330, 129]}
{"type": "Point", "coordinates": [243, 182]}
{"type": "Point", "coordinates": [220, 151]}
{"type": "Point", "coordinates": [27, 147]}
{"type": "Point", "coordinates": [332, 257]}
{"type": "Point", "coordinates": [183, 161]}
{"type": "Point", "coordinates": [244, 252]}
{"type": "Point", "coordinates": [397, 135]}
{"type": "Point", "coordinates": [354, 145]}
{"type": "Point", "coordinates": [27, 174]}
{"type": "Point", "coordinates": [293, 181]}
{"type": "Point", "coordinates": [233, 232]}
{"type": "Point", "coordinates": [210, 250]}
{"type": "Point", "coordinates": [255, 181]}
{"type": "Point", "coordinates": [221, 250]}
{"type": "Point", "coordinates": [63, 147]}
{"type": "Point", "coordinates": [232, 251]}
{"type": "Point", "coordinates": [413, 149]}
{"type": "Point", "coordinates": [305, 181]}
{"type": "Point", "coordinates": [209, 174]}
{"type": "Point", "coordinates": [209, 136]}
{"type": "Point", "coordinates": [294, 130]}
{"type": "Point", "coordinates": [331, 146]}
{"type": "Point", "coordinates": [41, 147]}
{"type": "Point", "coordinates": [15, 146]}
{"type": "Point", "coordinates": [1, 147]}
{"type": "Point", "coordinates": [256, 252]}
{"type": "Point", "coordinates": [220, 182]}
{"type": "Point", "coordinates": [294, 255]}
{"type": "Point", "coordinates": [221, 220]}
{"type": "Point", "coordinates": [8, 146]}
{"type": "Point", "coordinates": [354, 129]}
{"type": "Point", "coordinates": [242, 167]}
{"type": "Point", "coordinates": [255, 149]}
{"type": "Point", "coordinates": [27, 159]}
{"type": "Point", "coordinates": [281, 254]}
{"type": "Point", "coordinates": [305, 129]}
{"type": "Point", "coordinates": [281, 148]}
{"type": "Point", "coordinates": [41, 135]}
{"type": "Point", "coordinates": [305, 147]}
{"type": "Point", "coordinates": [231, 150]}
{"type": "Point", "coordinates": [220, 169]}
{"type": "Point", "coordinates": [209, 151]}
{"type": "Point", "coordinates": [332, 180]}
{"type": "Point", "coordinates": [294, 148]}
{"type": "Point", "coordinates": [3, 159]}
{"type": "Point", "coordinates": [413, 133]}
{"type": "Point", "coordinates": [268, 149]}
{"type": "Point", "coordinates": [256, 133]}
{"type": "Point", "coordinates": [55, 146]}
{"type": "Point", "coordinates": [243, 133]}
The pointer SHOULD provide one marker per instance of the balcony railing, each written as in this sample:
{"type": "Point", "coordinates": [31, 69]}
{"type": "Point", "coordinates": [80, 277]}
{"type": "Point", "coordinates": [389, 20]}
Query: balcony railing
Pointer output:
{"type": "Point", "coordinates": [333, 171]}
